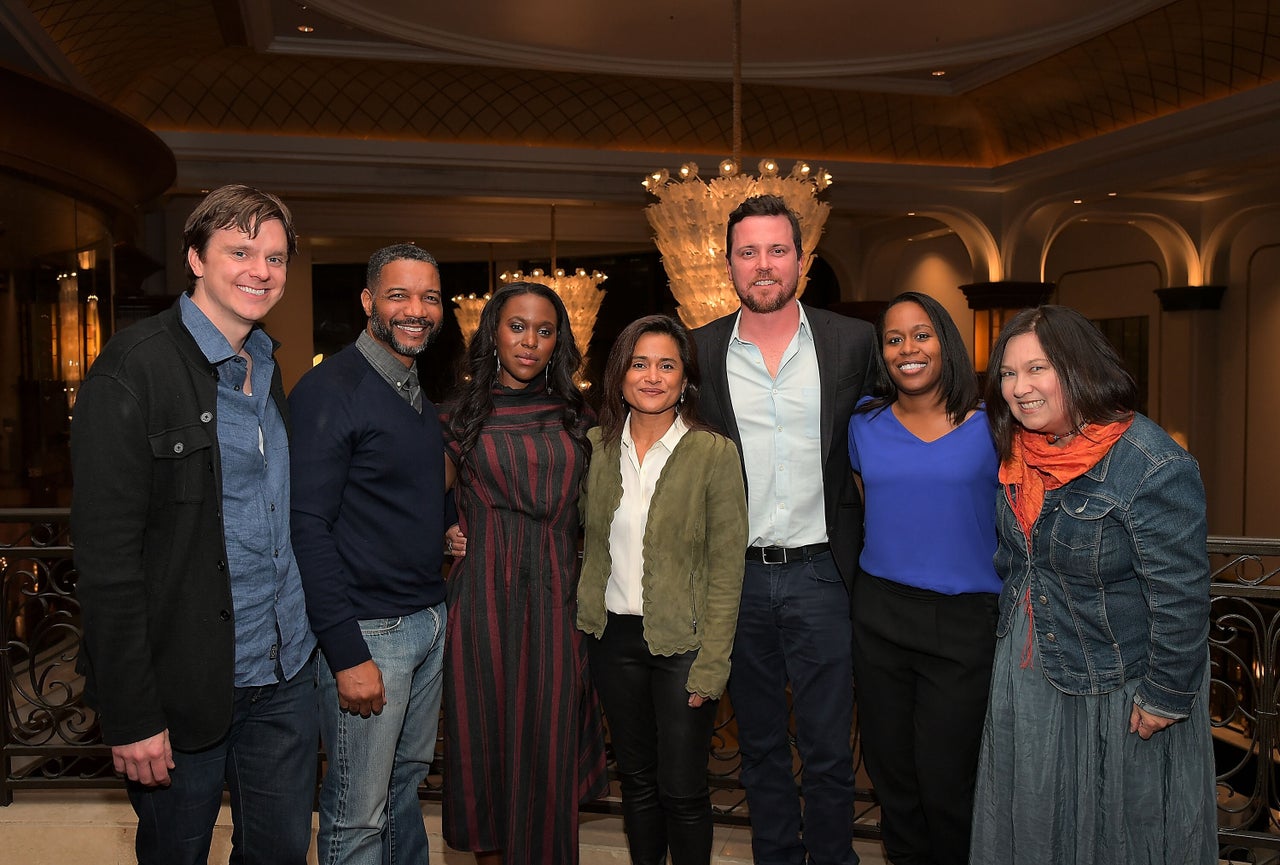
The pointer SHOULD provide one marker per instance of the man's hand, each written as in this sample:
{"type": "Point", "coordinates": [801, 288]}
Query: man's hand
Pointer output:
{"type": "Point", "coordinates": [360, 690]}
{"type": "Point", "coordinates": [147, 762]}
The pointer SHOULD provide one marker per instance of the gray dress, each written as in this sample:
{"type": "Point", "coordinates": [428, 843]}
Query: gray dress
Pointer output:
{"type": "Point", "coordinates": [1062, 781]}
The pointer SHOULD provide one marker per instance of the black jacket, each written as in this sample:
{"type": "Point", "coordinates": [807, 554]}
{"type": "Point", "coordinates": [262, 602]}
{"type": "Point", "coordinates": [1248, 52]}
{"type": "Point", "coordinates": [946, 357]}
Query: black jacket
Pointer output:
{"type": "Point", "coordinates": [146, 522]}
{"type": "Point", "coordinates": [845, 349]}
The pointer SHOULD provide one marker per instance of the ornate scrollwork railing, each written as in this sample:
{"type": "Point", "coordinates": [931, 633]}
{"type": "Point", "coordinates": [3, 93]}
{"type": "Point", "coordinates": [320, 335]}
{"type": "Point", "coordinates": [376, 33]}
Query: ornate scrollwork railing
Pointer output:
{"type": "Point", "coordinates": [1244, 635]}
{"type": "Point", "coordinates": [49, 738]}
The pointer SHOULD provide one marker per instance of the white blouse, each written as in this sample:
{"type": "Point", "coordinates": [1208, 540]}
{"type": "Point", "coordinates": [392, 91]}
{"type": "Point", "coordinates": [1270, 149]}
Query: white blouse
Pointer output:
{"type": "Point", "coordinates": [623, 594]}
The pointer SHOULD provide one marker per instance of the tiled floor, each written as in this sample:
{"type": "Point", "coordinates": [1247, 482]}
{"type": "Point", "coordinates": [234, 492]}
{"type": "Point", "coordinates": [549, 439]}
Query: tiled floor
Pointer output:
{"type": "Point", "coordinates": [95, 827]}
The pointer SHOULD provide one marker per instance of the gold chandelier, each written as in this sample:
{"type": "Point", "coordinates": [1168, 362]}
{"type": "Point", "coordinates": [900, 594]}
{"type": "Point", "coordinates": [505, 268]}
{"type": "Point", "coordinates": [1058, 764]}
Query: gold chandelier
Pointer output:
{"type": "Point", "coordinates": [580, 291]}
{"type": "Point", "coordinates": [691, 215]}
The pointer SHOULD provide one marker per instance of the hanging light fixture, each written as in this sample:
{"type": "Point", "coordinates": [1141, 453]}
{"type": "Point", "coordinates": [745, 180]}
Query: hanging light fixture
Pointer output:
{"type": "Point", "coordinates": [691, 215]}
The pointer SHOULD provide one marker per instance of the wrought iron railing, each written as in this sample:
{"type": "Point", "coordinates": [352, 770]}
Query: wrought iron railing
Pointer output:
{"type": "Point", "coordinates": [49, 738]}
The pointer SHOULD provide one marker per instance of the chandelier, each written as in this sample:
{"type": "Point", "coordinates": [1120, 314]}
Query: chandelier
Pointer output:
{"type": "Point", "coordinates": [582, 296]}
{"type": "Point", "coordinates": [691, 216]}
{"type": "Point", "coordinates": [580, 291]}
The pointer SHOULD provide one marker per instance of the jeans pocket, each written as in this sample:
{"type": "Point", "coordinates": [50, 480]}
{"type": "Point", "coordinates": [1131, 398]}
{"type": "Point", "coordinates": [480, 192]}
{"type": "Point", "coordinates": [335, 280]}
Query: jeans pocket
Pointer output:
{"type": "Point", "coordinates": [374, 627]}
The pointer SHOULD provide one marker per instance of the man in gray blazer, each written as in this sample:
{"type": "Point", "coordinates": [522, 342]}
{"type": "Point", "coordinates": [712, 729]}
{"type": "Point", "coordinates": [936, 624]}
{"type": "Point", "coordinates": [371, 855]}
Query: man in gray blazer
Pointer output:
{"type": "Point", "coordinates": [781, 379]}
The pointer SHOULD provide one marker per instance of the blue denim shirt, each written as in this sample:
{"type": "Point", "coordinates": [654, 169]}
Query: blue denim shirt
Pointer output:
{"type": "Point", "coordinates": [273, 637]}
{"type": "Point", "coordinates": [1119, 574]}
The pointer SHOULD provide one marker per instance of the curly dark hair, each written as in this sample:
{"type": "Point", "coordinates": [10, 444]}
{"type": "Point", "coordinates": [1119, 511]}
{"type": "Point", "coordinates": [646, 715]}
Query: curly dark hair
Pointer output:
{"type": "Point", "coordinates": [613, 410]}
{"type": "Point", "coordinates": [473, 402]}
{"type": "Point", "coordinates": [1096, 388]}
{"type": "Point", "coordinates": [959, 382]}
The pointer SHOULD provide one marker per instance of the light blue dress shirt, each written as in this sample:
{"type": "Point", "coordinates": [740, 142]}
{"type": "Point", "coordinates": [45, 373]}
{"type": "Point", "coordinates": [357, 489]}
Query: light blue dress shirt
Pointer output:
{"type": "Point", "coordinates": [780, 421]}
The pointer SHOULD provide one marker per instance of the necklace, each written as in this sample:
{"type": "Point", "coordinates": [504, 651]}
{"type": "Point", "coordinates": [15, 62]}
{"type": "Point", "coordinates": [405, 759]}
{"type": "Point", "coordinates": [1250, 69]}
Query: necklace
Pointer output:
{"type": "Point", "coordinates": [1053, 438]}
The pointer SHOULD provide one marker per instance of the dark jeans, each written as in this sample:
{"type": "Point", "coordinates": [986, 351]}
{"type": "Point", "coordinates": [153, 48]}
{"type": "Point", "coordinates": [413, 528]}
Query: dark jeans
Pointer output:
{"type": "Point", "coordinates": [793, 626]}
{"type": "Point", "coordinates": [923, 667]}
{"type": "Point", "coordinates": [268, 762]}
{"type": "Point", "coordinates": [660, 744]}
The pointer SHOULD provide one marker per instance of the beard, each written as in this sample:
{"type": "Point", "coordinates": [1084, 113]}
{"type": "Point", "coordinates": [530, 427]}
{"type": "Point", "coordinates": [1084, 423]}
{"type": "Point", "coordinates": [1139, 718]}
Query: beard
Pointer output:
{"type": "Point", "coordinates": [386, 332]}
{"type": "Point", "coordinates": [782, 294]}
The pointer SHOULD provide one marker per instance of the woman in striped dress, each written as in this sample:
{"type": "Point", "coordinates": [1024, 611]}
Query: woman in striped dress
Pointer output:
{"type": "Point", "coordinates": [523, 743]}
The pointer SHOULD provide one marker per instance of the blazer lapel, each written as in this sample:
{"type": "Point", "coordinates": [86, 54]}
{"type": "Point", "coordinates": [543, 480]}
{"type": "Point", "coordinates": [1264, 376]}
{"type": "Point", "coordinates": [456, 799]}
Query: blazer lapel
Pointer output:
{"type": "Point", "coordinates": [828, 353]}
{"type": "Point", "coordinates": [716, 373]}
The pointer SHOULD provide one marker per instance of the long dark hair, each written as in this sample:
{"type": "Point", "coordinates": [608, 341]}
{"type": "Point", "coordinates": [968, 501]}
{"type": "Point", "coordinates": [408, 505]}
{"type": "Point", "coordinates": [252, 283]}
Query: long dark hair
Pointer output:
{"type": "Point", "coordinates": [959, 383]}
{"type": "Point", "coordinates": [613, 410]}
{"type": "Point", "coordinates": [474, 401]}
{"type": "Point", "coordinates": [1096, 388]}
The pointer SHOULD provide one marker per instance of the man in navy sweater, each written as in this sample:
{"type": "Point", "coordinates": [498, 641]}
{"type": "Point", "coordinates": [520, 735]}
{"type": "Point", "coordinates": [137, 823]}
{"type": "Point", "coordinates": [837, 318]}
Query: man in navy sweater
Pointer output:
{"type": "Point", "coordinates": [368, 522]}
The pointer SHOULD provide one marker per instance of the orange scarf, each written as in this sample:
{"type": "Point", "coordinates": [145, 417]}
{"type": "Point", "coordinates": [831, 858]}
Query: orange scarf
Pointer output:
{"type": "Point", "coordinates": [1035, 466]}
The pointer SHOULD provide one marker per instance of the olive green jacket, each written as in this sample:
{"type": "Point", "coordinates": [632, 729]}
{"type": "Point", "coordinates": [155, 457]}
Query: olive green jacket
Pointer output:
{"type": "Point", "coordinates": [694, 551]}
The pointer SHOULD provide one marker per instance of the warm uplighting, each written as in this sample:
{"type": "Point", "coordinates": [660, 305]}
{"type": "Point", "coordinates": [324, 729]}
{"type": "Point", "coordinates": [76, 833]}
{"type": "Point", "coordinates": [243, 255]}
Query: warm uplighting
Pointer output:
{"type": "Point", "coordinates": [691, 215]}
{"type": "Point", "coordinates": [306, 28]}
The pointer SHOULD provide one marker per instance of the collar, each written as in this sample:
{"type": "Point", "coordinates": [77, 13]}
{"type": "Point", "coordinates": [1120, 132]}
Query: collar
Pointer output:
{"type": "Point", "coordinates": [213, 345]}
{"type": "Point", "coordinates": [804, 327]}
{"type": "Point", "coordinates": [674, 433]}
{"type": "Point", "coordinates": [387, 362]}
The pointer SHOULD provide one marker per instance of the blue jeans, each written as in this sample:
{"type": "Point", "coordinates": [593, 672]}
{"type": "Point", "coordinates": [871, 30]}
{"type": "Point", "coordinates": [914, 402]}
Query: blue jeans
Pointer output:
{"type": "Point", "coordinates": [369, 809]}
{"type": "Point", "coordinates": [793, 626]}
{"type": "Point", "coordinates": [268, 763]}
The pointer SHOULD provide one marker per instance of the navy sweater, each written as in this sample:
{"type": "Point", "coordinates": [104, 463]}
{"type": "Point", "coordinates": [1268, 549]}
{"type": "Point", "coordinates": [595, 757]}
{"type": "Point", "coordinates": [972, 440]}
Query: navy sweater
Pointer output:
{"type": "Point", "coordinates": [368, 504]}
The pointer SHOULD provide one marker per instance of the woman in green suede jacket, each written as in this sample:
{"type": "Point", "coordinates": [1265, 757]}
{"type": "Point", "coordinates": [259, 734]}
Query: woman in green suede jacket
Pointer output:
{"type": "Point", "coordinates": [665, 512]}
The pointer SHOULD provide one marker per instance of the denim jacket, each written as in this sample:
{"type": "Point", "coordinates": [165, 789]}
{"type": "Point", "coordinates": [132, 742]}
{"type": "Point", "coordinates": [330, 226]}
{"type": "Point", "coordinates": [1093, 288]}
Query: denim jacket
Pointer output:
{"type": "Point", "coordinates": [1118, 574]}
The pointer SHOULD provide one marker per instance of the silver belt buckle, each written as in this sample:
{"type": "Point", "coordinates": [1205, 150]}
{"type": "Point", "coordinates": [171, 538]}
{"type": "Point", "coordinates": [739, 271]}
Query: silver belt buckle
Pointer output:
{"type": "Point", "coordinates": [782, 556]}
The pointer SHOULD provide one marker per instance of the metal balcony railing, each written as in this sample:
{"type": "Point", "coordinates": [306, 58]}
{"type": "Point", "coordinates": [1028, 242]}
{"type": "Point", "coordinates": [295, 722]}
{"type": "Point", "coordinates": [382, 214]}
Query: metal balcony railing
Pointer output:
{"type": "Point", "coordinates": [49, 738]}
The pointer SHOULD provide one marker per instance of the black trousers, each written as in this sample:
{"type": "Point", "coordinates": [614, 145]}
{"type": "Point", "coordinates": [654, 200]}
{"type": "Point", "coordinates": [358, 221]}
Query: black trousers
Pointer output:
{"type": "Point", "coordinates": [922, 671]}
{"type": "Point", "coordinates": [659, 742]}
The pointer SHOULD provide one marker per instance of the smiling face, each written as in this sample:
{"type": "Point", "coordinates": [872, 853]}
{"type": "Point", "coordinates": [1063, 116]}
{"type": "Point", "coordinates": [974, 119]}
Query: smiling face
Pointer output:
{"type": "Point", "coordinates": [238, 278]}
{"type": "Point", "coordinates": [404, 308]}
{"type": "Point", "coordinates": [655, 378]}
{"type": "Point", "coordinates": [1030, 385]}
{"type": "Point", "coordinates": [764, 264]}
{"type": "Point", "coordinates": [525, 339]}
{"type": "Point", "coordinates": [911, 349]}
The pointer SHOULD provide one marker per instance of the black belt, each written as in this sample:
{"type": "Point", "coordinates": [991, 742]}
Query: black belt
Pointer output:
{"type": "Point", "coordinates": [785, 555]}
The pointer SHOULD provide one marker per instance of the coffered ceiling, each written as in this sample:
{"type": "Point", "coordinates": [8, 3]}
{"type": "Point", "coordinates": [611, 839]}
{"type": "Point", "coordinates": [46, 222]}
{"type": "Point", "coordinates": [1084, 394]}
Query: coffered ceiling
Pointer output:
{"type": "Point", "coordinates": [824, 79]}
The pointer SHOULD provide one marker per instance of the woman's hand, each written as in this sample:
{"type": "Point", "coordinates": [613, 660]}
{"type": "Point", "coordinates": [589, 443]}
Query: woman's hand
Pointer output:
{"type": "Point", "coordinates": [455, 542]}
{"type": "Point", "coordinates": [1146, 724]}
{"type": "Point", "coordinates": [696, 700]}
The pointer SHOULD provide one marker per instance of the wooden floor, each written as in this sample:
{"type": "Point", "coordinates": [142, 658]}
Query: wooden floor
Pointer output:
{"type": "Point", "coordinates": [96, 827]}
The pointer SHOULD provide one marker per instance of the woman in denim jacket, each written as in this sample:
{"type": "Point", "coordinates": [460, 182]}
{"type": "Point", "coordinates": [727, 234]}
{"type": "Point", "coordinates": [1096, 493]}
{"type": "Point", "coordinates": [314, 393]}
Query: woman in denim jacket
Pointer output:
{"type": "Point", "coordinates": [665, 514]}
{"type": "Point", "coordinates": [1096, 747]}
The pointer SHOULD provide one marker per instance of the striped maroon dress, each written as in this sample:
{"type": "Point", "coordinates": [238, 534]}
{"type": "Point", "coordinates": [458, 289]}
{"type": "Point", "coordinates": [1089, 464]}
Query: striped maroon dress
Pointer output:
{"type": "Point", "coordinates": [523, 740]}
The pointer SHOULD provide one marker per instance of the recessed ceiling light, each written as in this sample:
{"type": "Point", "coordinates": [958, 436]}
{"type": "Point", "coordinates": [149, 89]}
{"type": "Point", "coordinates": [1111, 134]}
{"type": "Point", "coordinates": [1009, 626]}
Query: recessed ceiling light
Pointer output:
{"type": "Point", "coordinates": [306, 28]}
{"type": "Point", "coordinates": [939, 73]}
{"type": "Point", "coordinates": [1078, 201]}
{"type": "Point", "coordinates": [1112, 194]}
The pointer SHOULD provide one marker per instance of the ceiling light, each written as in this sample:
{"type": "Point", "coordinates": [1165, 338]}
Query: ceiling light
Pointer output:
{"type": "Point", "coordinates": [691, 215]}
{"type": "Point", "coordinates": [306, 28]}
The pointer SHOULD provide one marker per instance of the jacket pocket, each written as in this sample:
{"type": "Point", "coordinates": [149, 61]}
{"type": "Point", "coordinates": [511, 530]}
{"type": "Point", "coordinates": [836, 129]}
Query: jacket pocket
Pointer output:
{"type": "Point", "coordinates": [186, 454]}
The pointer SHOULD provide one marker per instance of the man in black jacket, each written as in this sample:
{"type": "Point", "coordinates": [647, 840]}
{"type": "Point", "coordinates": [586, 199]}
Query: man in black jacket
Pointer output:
{"type": "Point", "coordinates": [781, 379]}
{"type": "Point", "coordinates": [197, 653]}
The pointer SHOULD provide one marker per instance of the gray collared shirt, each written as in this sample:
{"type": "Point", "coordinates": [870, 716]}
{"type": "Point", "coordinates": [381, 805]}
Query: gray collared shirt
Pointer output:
{"type": "Point", "coordinates": [388, 364]}
{"type": "Point", "coordinates": [273, 637]}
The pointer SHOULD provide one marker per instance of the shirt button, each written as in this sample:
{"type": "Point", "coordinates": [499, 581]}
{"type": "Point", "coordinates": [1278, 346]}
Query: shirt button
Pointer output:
{"type": "Point", "coordinates": [273, 507]}
{"type": "Point", "coordinates": [206, 416]}
{"type": "Point", "coordinates": [177, 448]}
{"type": "Point", "coordinates": [1043, 599]}
{"type": "Point", "coordinates": [1050, 637]}
{"type": "Point", "coordinates": [779, 429]}
{"type": "Point", "coordinates": [276, 553]}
